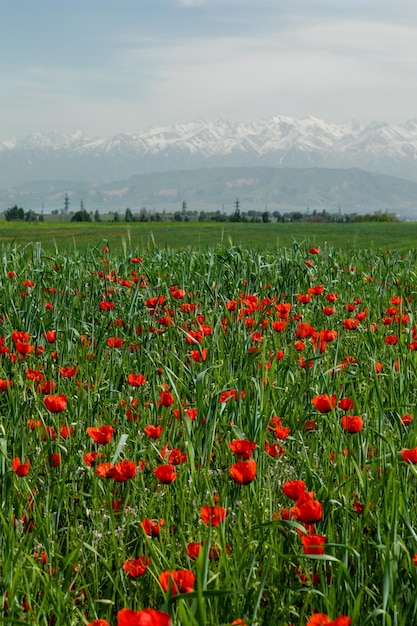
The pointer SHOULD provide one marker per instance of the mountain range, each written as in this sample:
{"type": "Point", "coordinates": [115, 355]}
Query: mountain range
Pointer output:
{"type": "Point", "coordinates": [39, 168]}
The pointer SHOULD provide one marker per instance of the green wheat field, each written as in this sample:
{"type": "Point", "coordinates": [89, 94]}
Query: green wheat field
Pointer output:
{"type": "Point", "coordinates": [208, 425]}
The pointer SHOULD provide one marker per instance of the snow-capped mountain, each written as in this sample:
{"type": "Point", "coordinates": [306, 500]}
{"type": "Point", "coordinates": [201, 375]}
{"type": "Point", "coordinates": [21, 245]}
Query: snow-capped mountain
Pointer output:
{"type": "Point", "coordinates": [279, 141]}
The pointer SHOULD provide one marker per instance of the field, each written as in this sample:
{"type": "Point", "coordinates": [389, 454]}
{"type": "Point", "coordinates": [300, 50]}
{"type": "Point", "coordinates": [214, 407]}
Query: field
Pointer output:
{"type": "Point", "coordinates": [401, 236]}
{"type": "Point", "coordinates": [208, 435]}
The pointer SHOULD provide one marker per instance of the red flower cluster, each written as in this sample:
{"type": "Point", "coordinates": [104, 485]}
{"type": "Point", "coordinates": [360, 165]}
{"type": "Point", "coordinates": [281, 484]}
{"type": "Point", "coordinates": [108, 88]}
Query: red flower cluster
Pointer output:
{"type": "Point", "coordinates": [146, 617]}
{"type": "Point", "coordinates": [177, 581]}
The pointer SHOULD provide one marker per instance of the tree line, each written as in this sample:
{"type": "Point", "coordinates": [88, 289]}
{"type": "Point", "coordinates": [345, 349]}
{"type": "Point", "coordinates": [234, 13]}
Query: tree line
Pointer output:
{"type": "Point", "coordinates": [16, 213]}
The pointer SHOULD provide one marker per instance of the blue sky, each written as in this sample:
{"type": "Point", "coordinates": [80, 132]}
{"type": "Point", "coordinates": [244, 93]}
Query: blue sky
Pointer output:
{"type": "Point", "coordinates": [110, 66]}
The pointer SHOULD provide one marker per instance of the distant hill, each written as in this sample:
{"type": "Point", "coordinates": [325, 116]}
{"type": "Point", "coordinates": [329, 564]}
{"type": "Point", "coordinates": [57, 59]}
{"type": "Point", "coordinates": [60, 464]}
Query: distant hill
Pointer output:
{"type": "Point", "coordinates": [211, 189]}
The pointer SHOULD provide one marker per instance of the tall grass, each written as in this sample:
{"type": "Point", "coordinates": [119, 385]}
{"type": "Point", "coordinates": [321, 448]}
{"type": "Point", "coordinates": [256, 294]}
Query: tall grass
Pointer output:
{"type": "Point", "coordinates": [66, 532]}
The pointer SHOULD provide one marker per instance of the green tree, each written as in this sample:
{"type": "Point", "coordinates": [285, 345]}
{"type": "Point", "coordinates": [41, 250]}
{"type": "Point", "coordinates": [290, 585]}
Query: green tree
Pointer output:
{"type": "Point", "coordinates": [31, 216]}
{"type": "Point", "coordinates": [128, 215]}
{"type": "Point", "coordinates": [14, 214]}
{"type": "Point", "coordinates": [143, 215]}
{"type": "Point", "coordinates": [81, 216]}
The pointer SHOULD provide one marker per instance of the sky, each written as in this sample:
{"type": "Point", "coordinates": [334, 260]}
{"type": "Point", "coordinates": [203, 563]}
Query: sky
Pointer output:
{"type": "Point", "coordinates": [111, 66]}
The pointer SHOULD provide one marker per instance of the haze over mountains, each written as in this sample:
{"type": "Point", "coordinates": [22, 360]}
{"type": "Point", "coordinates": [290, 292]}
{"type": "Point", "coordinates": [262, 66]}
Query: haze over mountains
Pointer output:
{"type": "Point", "coordinates": [37, 169]}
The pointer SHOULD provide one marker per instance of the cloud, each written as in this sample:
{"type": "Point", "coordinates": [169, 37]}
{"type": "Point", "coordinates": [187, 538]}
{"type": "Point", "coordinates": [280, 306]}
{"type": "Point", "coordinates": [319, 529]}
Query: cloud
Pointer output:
{"type": "Point", "coordinates": [190, 3]}
{"type": "Point", "coordinates": [213, 59]}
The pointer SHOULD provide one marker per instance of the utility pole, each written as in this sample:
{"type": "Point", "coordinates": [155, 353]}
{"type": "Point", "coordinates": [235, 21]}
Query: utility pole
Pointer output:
{"type": "Point", "coordinates": [237, 210]}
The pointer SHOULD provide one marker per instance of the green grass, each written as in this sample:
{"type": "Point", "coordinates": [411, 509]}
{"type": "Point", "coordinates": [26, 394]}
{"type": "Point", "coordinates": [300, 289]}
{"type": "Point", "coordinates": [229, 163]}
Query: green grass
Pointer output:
{"type": "Point", "coordinates": [66, 236]}
{"type": "Point", "coordinates": [88, 526]}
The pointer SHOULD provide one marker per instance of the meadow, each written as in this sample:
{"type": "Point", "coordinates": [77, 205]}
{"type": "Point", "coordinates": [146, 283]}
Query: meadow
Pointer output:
{"type": "Point", "coordinates": [219, 435]}
{"type": "Point", "coordinates": [60, 236]}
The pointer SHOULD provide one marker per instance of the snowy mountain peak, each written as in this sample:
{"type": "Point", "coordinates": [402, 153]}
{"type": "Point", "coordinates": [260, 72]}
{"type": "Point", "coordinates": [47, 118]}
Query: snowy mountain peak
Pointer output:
{"type": "Point", "coordinates": [278, 141]}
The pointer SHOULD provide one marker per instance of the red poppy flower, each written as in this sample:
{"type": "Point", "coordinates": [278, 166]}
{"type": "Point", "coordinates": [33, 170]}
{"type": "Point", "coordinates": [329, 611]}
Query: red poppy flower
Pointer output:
{"type": "Point", "coordinates": [274, 450]}
{"type": "Point", "coordinates": [352, 423]}
{"type": "Point", "coordinates": [317, 290]}
{"type": "Point", "coordinates": [314, 251]}
{"type": "Point", "coordinates": [151, 528]}
{"type": "Point", "coordinates": [194, 337]}
{"type": "Point", "coordinates": [99, 622]}
{"type": "Point", "coordinates": [46, 388]}
{"type": "Point", "coordinates": [213, 515]}
{"type": "Point", "coordinates": [106, 305]}
{"type": "Point", "coordinates": [322, 619]}
{"type": "Point", "coordinates": [165, 474]}
{"type": "Point", "coordinates": [409, 456]}
{"type": "Point", "coordinates": [350, 324]}
{"type": "Point", "coordinates": [145, 617]}
{"type": "Point", "coordinates": [50, 336]}
{"type": "Point", "coordinates": [242, 448]}
{"type": "Point", "coordinates": [19, 468]}
{"type": "Point", "coordinates": [122, 471]}
{"type": "Point", "coordinates": [24, 348]}
{"type": "Point", "coordinates": [34, 375]}
{"type": "Point", "coordinates": [103, 469]}
{"type": "Point", "coordinates": [307, 509]}
{"type": "Point", "coordinates": [324, 403]}
{"type": "Point", "coordinates": [101, 434]}
{"type": "Point", "coordinates": [166, 398]}
{"type": "Point", "coordinates": [152, 303]}
{"type": "Point", "coordinates": [313, 544]}
{"type": "Point", "coordinates": [294, 488]}
{"type": "Point", "coordinates": [331, 297]}
{"type": "Point", "coordinates": [226, 395]}
{"type": "Point", "coordinates": [153, 431]}
{"type": "Point", "coordinates": [136, 380]}
{"type": "Point", "coordinates": [177, 581]}
{"type": "Point", "coordinates": [243, 472]}
{"type": "Point", "coordinates": [90, 458]}
{"type": "Point", "coordinates": [359, 507]}
{"type": "Point", "coordinates": [22, 336]}
{"type": "Point", "coordinates": [65, 432]}
{"type": "Point", "coordinates": [279, 326]}
{"type": "Point", "coordinates": [68, 372]}
{"type": "Point", "coordinates": [199, 355]}
{"type": "Point", "coordinates": [191, 413]}
{"type": "Point", "coordinates": [193, 549]}
{"type": "Point", "coordinates": [5, 384]}
{"type": "Point", "coordinates": [54, 459]}
{"type": "Point", "coordinates": [346, 404]}
{"type": "Point", "coordinates": [136, 567]}
{"type": "Point", "coordinates": [115, 342]}
{"type": "Point", "coordinates": [178, 294]}
{"type": "Point", "coordinates": [48, 431]}
{"type": "Point", "coordinates": [281, 432]}
{"type": "Point", "coordinates": [304, 330]}
{"type": "Point", "coordinates": [176, 457]}
{"type": "Point", "coordinates": [283, 309]}
{"type": "Point", "coordinates": [56, 404]}
{"type": "Point", "coordinates": [407, 419]}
